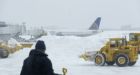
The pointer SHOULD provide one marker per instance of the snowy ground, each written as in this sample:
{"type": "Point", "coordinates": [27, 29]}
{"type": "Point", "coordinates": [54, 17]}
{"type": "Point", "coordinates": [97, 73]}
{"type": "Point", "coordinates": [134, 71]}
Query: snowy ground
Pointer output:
{"type": "Point", "coordinates": [64, 52]}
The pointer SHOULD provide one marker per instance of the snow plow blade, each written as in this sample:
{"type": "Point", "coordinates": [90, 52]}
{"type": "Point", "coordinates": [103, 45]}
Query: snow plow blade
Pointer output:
{"type": "Point", "coordinates": [88, 56]}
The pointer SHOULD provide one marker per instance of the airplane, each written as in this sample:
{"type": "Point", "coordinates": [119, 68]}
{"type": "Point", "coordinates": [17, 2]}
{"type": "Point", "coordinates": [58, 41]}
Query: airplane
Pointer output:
{"type": "Point", "coordinates": [94, 29]}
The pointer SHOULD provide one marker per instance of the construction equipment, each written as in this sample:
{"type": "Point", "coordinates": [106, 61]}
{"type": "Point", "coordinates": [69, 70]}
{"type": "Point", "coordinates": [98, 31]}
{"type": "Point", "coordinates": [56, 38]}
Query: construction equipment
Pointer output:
{"type": "Point", "coordinates": [115, 51]}
{"type": "Point", "coordinates": [26, 44]}
{"type": "Point", "coordinates": [134, 40]}
{"type": "Point", "coordinates": [7, 48]}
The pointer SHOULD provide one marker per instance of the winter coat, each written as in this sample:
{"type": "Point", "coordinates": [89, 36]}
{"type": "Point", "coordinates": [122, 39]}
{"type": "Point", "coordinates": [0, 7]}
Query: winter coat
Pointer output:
{"type": "Point", "coordinates": [37, 63]}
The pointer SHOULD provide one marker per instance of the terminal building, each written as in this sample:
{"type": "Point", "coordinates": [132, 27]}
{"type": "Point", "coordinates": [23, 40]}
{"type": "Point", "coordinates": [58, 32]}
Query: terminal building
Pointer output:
{"type": "Point", "coordinates": [7, 30]}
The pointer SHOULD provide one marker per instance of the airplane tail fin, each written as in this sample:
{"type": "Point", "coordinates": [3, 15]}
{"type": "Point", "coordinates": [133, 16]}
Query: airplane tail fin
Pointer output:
{"type": "Point", "coordinates": [96, 24]}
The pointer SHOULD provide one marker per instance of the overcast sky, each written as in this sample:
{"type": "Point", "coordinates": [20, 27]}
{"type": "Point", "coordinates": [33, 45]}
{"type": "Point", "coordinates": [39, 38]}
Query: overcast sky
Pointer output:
{"type": "Point", "coordinates": [71, 13]}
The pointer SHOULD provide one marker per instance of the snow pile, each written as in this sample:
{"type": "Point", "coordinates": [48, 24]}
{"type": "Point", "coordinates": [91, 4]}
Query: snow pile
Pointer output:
{"type": "Point", "coordinates": [26, 37]}
{"type": "Point", "coordinates": [13, 43]}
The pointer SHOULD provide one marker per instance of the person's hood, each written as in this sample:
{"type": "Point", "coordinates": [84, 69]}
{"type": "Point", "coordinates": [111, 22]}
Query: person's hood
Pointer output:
{"type": "Point", "coordinates": [40, 45]}
{"type": "Point", "coordinates": [37, 53]}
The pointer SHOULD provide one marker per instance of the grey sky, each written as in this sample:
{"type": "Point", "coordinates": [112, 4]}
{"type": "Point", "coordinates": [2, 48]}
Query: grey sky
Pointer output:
{"type": "Point", "coordinates": [71, 13]}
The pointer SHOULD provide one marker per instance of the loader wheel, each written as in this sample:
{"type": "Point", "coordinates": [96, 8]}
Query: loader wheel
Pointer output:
{"type": "Point", "coordinates": [122, 60]}
{"type": "Point", "coordinates": [4, 53]}
{"type": "Point", "coordinates": [131, 63]}
{"type": "Point", "coordinates": [110, 63]}
{"type": "Point", "coordinates": [99, 60]}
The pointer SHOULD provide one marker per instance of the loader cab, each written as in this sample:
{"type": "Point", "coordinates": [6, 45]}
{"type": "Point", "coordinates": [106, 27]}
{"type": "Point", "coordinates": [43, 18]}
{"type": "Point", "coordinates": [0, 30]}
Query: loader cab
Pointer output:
{"type": "Point", "coordinates": [117, 42]}
{"type": "Point", "coordinates": [134, 37]}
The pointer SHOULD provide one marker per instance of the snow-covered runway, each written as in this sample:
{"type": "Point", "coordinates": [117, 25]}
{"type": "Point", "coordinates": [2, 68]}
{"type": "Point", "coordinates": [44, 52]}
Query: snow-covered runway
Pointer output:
{"type": "Point", "coordinates": [64, 52]}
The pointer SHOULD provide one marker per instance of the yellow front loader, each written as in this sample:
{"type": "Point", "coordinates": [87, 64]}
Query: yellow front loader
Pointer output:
{"type": "Point", "coordinates": [115, 51]}
{"type": "Point", "coordinates": [6, 49]}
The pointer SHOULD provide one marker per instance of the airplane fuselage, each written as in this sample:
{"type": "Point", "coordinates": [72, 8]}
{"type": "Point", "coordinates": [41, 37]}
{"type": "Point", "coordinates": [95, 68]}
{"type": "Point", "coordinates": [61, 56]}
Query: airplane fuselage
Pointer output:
{"type": "Point", "coordinates": [74, 33]}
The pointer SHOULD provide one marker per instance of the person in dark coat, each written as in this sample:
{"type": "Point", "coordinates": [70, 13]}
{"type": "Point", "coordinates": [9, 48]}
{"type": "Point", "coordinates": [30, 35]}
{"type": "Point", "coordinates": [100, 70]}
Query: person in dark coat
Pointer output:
{"type": "Point", "coordinates": [38, 62]}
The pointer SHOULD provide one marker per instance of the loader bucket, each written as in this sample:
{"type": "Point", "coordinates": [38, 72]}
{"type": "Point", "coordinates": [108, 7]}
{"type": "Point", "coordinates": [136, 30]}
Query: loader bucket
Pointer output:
{"type": "Point", "coordinates": [88, 56]}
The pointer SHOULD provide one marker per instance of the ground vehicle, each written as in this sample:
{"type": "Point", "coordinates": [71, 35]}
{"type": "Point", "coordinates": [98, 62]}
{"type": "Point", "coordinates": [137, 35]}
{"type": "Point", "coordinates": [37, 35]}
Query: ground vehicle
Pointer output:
{"type": "Point", "coordinates": [134, 40]}
{"type": "Point", "coordinates": [115, 51]}
{"type": "Point", "coordinates": [6, 49]}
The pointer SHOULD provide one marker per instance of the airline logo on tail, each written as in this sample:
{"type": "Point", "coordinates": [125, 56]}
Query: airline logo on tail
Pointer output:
{"type": "Point", "coordinates": [96, 24]}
